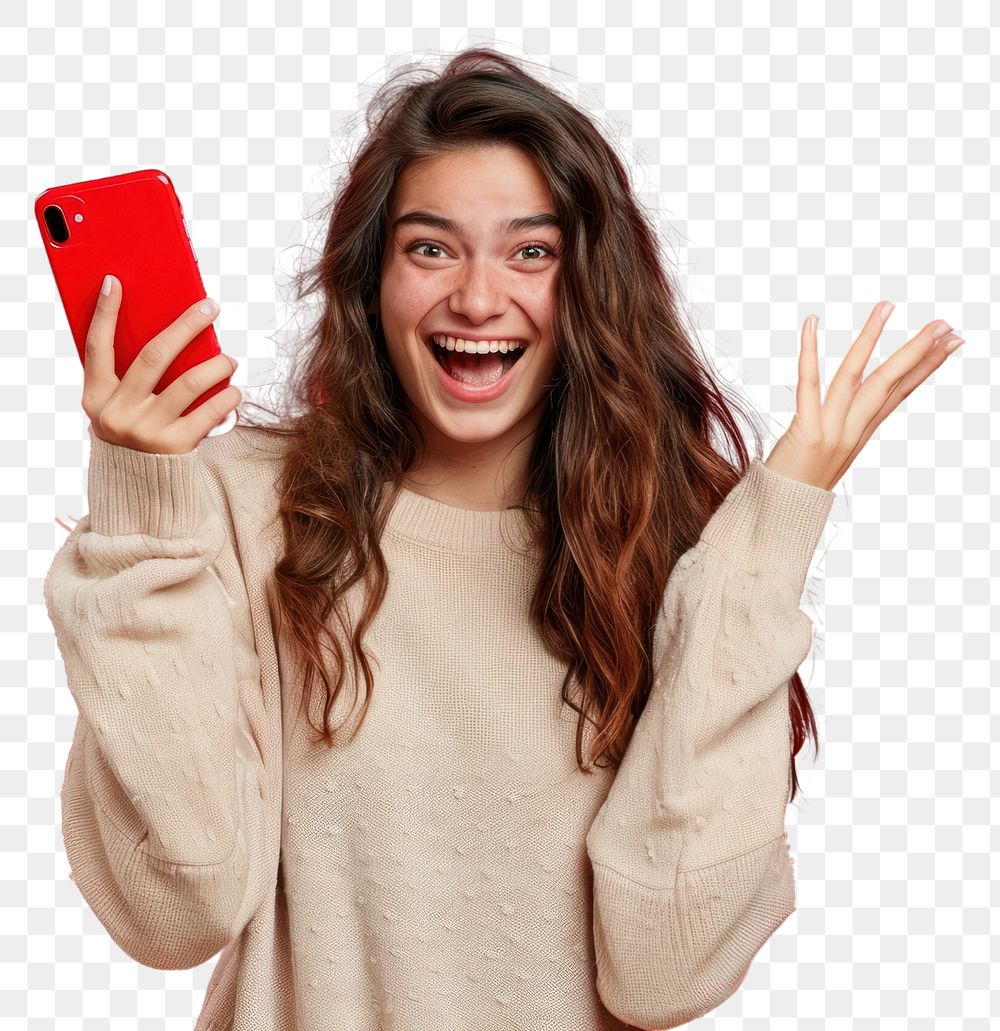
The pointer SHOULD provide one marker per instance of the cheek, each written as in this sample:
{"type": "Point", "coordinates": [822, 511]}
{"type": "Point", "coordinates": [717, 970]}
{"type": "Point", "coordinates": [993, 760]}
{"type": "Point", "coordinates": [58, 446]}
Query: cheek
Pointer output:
{"type": "Point", "coordinates": [402, 293]}
{"type": "Point", "coordinates": [540, 304]}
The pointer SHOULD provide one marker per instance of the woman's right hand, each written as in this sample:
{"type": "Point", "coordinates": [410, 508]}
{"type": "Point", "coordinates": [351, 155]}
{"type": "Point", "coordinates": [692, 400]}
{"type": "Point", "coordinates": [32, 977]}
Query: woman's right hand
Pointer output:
{"type": "Point", "coordinates": [126, 411]}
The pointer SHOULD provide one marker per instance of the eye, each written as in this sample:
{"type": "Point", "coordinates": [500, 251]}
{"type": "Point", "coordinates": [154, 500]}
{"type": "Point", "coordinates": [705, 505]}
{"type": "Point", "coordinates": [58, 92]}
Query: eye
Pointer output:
{"type": "Point", "coordinates": [420, 245]}
{"type": "Point", "coordinates": [537, 247]}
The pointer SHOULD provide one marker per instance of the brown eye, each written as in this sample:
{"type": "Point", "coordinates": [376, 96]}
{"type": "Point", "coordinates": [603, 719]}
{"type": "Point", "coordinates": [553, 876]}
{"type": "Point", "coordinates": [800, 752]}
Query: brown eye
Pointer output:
{"type": "Point", "coordinates": [536, 247]}
{"type": "Point", "coordinates": [420, 244]}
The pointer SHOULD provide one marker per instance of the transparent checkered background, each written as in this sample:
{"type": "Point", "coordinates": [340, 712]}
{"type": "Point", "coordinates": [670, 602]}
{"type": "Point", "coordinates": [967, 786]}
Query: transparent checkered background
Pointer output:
{"type": "Point", "coordinates": [799, 158]}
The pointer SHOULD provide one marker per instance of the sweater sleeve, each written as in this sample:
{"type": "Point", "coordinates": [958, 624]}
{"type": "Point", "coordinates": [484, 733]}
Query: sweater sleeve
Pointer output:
{"type": "Point", "coordinates": [692, 872]}
{"type": "Point", "coordinates": [164, 795]}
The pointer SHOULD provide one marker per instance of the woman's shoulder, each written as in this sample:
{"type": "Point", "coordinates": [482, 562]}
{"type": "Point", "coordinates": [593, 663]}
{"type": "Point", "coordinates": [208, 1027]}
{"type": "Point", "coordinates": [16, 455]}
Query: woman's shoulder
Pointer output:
{"type": "Point", "coordinates": [246, 440]}
{"type": "Point", "coordinates": [244, 462]}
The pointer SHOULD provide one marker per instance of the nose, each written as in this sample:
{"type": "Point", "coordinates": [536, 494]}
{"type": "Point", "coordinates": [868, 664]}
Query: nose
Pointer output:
{"type": "Point", "coordinates": [480, 293]}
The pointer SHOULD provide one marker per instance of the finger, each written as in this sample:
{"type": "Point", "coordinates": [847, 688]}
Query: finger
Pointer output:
{"type": "Point", "coordinates": [908, 357]}
{"type": "Point", "coordinates": [210, 413]}
{"type": "Point", "coordinates": [99, 379]}
{"type": "Point", "coordinates": [898, 393]}
{"type": "Point", "coordinates": [847, 380]}
{"type": "Point", "coordinates": [807, 399]}
{"type": "Point", "coordinates": [172, 400]}
{"type": "Point", "coordinates": [880, 387]}
{"type": "Point", "coordinates": [153, 360]}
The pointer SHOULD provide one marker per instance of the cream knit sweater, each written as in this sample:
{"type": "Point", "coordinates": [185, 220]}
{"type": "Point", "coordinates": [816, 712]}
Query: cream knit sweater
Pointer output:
{"type": "Point", "coordinates": [451, 868]}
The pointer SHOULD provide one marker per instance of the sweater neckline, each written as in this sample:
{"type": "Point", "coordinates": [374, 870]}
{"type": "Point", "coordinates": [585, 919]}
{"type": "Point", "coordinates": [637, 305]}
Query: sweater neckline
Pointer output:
{"type": "Point", "coordinates": [433, 524]}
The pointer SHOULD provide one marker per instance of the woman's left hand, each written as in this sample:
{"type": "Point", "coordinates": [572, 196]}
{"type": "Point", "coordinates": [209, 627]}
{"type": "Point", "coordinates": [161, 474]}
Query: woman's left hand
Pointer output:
{"type": "Point", "coordinates": [824, 439]}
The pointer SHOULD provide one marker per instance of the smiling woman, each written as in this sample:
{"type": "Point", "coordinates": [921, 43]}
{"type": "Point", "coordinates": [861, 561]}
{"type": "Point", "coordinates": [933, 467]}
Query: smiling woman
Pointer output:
{"type": "Point", "coordinates": [561, 803]}
{"type": "Point", "coordinates": [480, 282]}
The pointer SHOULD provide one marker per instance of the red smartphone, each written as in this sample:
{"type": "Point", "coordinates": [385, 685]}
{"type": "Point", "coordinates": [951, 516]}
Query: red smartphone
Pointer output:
{"type": "Point", "coordinates": [132, 226]}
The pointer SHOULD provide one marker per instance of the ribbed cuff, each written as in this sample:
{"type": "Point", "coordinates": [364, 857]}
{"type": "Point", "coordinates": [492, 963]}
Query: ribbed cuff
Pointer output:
{"type": "Point", "coordinates": [133, 491]}
{"type": "Point", "coordinates": [770, 522]}
{"type": "Point", "coordinates": [668, 955]}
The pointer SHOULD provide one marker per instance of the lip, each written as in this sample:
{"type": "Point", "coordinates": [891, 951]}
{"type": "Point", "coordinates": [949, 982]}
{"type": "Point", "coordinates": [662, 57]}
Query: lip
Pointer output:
{"type": "Point", "coordinates": [475, 395]}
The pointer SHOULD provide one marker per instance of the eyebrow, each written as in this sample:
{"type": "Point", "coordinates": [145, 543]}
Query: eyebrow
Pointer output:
{"type": "Point", "coordinates": [447, 225]}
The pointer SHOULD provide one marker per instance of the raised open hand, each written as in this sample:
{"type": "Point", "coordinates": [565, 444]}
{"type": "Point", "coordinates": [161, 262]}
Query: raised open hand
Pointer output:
{"type": "Point", "coordinates": [824, 439]}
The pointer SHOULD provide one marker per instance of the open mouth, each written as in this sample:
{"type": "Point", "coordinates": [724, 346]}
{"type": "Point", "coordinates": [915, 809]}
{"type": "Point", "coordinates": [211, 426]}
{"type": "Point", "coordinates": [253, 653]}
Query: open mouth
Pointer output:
{"type": "Point", "coordinates": [477, 370]}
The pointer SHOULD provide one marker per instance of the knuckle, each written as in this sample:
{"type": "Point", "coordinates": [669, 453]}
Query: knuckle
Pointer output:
{"type": "Point", "coordinates": [109, 423]}
{"type": "Point", "coordinates": [218, 411]}
{"type": "Point", "coordinates": [194, 379]}
{"type": "Point", "coordinates": [151, 355]}
{"type": "Point", "coordinates": [92, 341]}
{"type": "Point", "coordinates": [193, 320]}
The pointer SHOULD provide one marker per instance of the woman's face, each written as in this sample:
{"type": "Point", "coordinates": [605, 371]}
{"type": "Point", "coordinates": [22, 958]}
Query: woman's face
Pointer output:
{"type": "Point", "coordinates": [454, 266]}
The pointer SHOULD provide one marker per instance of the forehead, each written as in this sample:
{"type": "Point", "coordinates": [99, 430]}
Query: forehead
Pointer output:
{"type": "Point", "coordinates": [484, 186]}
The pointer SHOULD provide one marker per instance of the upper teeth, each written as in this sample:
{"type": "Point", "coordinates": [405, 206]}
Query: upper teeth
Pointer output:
{"type": "Point", "coordinates": [477, 346]}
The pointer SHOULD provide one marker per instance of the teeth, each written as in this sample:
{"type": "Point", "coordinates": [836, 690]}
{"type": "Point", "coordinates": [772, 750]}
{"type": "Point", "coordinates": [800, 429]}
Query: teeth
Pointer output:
{"type": "Point", "coordinates": [478, 347]}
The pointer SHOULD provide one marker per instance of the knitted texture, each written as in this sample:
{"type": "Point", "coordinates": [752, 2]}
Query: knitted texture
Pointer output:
{"type": "Point", "coordinates": [450, 866]}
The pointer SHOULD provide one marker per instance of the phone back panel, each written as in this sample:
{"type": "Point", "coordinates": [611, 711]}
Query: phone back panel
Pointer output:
{"type": "Point", "coordinates": [132, 226]}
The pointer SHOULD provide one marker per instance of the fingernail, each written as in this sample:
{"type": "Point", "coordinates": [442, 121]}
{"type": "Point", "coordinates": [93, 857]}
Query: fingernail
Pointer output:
{"type": "Point", "coordinates": [815, 322]}
{"type": "Point", "coordinates": [952, 344]}
{"type": "Point", "coordinates": [106, 286]}
{"type": "Point", "coordinates": [941, 330]}
{"type": "Point", "coordinates": [208, 306]}
{"type": "Point", "coordinates": [886, 310]}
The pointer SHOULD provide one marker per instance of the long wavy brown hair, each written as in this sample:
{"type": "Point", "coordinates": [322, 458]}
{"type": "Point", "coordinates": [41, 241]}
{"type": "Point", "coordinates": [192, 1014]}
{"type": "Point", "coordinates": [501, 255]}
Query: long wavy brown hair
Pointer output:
{"type": "Point", "coordinates": [626, 467]}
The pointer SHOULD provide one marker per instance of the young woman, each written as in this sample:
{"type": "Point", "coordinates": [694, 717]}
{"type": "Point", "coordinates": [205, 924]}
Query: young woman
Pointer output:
{"type": "Point", "coordinates": [499, 482]}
